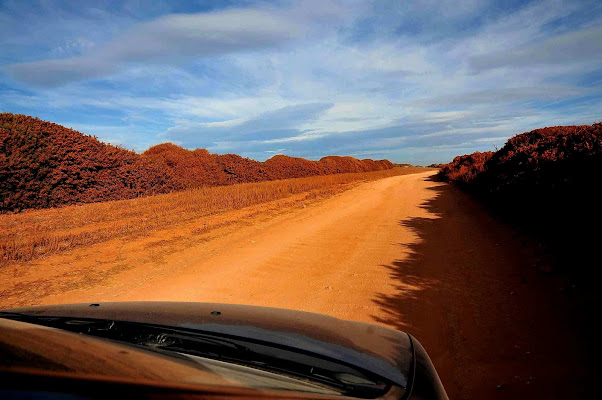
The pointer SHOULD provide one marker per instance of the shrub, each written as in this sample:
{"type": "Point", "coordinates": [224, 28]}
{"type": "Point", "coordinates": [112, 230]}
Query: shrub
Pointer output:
{"type": "Point", "coordinates": [545, 181]}
{"type": "Point", "coordinates": [47, 165]}
{"type": "Point", "coordinates": [465, 169]}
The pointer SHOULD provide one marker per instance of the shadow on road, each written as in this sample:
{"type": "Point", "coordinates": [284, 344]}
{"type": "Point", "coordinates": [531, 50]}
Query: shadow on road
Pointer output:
{"type": "Point", "coordinates": [494, 326]}
{"type": "Point", "coordinates": [408, 273]}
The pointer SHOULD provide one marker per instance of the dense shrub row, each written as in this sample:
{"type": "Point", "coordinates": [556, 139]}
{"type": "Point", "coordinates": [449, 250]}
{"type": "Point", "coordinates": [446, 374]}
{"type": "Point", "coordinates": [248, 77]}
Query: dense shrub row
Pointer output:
{"type": "Point", "coordinates": [464, 169]}
{"type": "Point", "coordinates": [47, 165]}
{"type": "Point", "coordinates": [199, 167]}
{"type": "Point", "coordinates": [542, 162]}
{"type": "Point", "coordinates": [548, 181]}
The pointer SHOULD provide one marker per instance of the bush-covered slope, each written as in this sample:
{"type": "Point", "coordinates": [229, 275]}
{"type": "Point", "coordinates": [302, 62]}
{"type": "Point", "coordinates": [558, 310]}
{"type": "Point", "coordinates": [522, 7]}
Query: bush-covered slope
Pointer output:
{"type": "Point", "coordinates": [47, 165]}
{"type": "Point", "coordinates": [199, 167]}
{"type": "Point", "coordinates": [548, 181]}
{"type": "Point", "coordinates": [541, 162]}
{"type": "Point", "coordinates": [464, 169]}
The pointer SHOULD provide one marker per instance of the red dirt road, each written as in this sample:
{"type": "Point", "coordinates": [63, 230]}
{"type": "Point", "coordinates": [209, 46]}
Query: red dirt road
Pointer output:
{"type": "Point", "coordinates": [405, 251]}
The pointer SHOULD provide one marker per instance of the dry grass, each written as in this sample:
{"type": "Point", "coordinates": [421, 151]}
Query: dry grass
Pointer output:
{"type": "Point", "coordinates": [37, 233]}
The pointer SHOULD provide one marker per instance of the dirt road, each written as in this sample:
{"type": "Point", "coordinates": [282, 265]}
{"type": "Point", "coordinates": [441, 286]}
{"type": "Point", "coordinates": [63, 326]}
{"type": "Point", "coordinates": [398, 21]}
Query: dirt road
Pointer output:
{"type": "Point", "coordinates": [405, 251]}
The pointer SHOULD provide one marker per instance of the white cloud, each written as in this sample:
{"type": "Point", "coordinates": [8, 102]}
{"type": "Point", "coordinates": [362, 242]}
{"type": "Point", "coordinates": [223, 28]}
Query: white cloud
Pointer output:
{"type": "Point", "coordinates": [276, 124]}
{"type": "Point", "coordinates": [176, 38]}
{"type": "Point", "coordinates": [573, 47]}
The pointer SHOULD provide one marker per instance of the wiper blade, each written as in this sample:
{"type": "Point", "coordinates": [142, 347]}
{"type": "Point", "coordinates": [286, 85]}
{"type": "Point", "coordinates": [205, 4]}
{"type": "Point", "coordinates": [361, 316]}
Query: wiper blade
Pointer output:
{"type": "Point", "coordinates": [198, 344]}
{"type": "Point", "coordinates": [232, 351]}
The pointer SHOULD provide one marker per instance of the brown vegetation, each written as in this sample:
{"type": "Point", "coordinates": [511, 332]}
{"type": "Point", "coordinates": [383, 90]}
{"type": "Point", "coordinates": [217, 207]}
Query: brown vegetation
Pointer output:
{"type": "Point", "coordinates": [542, 162]}
{"type": "Point", "coordinates": [47, 165]}
{"type": "Point", "coordinates": [546, 181]}
{"type": "Point", "coordinates": [36, 233]}
{"type": "Point", "coordinates": [464, 169]}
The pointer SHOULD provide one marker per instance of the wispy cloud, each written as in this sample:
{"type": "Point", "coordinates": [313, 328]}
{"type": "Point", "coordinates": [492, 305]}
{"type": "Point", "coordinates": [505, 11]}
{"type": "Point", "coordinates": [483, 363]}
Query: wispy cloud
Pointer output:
{"type": "Point", "coordinates": [163, 40]}
{"type": "Point", "coordinates": [174, 39]}
{"type": "Point", "coordinates": [565, 49]}
{"type": "Point", "coordinates": [418, 81]}
{"type": "Point", "coordinates": [285, 122]}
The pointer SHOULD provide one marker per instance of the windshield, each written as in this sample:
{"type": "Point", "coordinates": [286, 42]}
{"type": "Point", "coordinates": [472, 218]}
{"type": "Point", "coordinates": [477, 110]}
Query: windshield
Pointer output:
{"type": "Point", "coordinates": [255, 364]}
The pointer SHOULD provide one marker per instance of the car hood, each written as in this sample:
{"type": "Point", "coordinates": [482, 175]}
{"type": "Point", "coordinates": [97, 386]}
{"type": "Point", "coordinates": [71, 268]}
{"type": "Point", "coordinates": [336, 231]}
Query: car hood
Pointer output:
{"type": "Point", "coordinates": [381, 350]}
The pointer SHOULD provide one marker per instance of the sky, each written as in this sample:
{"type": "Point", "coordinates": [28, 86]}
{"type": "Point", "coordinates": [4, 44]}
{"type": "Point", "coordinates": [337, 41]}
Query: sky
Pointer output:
{"type": "Point", "coordinates": [411, 81]}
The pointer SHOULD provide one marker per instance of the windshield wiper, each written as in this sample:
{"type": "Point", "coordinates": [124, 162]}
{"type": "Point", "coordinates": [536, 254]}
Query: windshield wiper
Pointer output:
{"type": "Point", "coordinates": [349, 380]}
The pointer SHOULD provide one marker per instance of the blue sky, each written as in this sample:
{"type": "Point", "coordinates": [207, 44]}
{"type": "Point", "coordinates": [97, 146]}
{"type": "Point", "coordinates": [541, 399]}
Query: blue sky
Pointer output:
{"type": "Point", "coordinates": [411, 81]}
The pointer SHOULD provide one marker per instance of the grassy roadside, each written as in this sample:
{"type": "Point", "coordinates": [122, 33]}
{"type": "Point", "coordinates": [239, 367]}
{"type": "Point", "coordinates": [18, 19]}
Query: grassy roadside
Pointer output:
{"type": "Point", "coordinates": [37, 233]}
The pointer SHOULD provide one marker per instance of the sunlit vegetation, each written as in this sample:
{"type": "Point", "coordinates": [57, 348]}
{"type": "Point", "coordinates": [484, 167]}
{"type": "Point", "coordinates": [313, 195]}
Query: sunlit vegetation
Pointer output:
{"type": "Point", "coordinates": [541, 161]}
{"type": "Point", "coordinates": [464, 169]}
{"type": "Point", "coordinates": [46, 165]}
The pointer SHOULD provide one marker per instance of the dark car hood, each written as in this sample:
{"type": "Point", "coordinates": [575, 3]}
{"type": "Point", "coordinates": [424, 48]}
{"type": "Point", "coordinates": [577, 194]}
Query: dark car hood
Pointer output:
{"type": "Point", "coordinates": [383, 351]}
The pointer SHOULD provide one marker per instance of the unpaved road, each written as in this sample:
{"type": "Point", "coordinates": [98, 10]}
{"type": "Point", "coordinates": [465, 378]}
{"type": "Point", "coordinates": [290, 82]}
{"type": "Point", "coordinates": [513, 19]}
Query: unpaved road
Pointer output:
{"type": "Point", "coordinates": [405, 251]}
